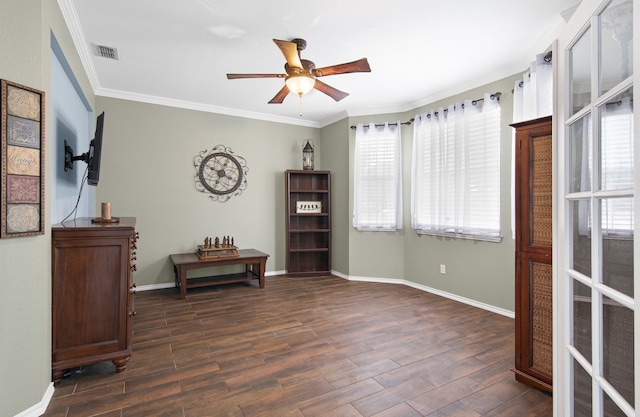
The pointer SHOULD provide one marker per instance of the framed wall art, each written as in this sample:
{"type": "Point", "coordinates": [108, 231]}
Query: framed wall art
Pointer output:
{"type": "Point", "coordinates": [22, 151]}
{"type": "Point", "coordinates": [308, 206]}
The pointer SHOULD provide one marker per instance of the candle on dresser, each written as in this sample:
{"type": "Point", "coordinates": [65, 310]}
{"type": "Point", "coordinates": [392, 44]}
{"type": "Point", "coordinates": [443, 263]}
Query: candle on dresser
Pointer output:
{"type": "Point", "coordinates": [106, 211]}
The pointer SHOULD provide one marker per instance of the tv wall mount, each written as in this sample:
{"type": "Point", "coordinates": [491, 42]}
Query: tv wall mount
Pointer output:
{"type": "Point", "coordinates": [69, 158]}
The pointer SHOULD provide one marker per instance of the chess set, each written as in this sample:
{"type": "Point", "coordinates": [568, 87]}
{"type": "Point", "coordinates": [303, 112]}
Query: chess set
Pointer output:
{"type": "Point", "coordinates": [216, 249]}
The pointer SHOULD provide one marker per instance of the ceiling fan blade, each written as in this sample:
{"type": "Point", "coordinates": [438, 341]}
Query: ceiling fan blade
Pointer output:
{"type": "Point", "coordinates": [234, 76]}
{"type": "Point", "coordinates": [361, 65]}
{"type": "Point", "coordinates": [279, 98]}
{"type": "Point", "coordinates": [290, 52]}
{"type": "Point", "coordinates": [334, 93]}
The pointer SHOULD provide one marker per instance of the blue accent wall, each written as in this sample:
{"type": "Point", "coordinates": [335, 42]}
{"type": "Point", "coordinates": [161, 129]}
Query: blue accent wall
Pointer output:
{"type": "Point", "coordinates": [73, 122]}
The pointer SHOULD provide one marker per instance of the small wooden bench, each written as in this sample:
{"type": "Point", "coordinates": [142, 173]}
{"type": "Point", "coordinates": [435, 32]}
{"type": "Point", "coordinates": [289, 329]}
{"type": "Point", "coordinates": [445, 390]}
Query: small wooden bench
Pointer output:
{"type": "Point", "coordinates": [255, 263]}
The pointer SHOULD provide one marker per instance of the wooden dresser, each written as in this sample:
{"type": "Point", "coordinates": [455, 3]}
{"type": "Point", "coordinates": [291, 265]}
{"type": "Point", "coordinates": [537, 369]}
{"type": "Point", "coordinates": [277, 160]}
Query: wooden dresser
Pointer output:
{"type": "Point", "coordinates": [92, 293]}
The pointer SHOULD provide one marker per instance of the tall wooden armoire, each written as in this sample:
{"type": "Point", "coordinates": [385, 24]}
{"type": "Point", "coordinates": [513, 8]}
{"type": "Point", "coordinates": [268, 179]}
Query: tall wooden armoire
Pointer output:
{"type": "Point", "coordinates": [533, 285]}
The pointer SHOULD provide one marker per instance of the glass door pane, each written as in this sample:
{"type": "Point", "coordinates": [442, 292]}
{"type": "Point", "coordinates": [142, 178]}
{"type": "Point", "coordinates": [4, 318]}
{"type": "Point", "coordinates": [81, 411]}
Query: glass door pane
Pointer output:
{"type": "Point", "coordinates": [617, 245]}
{"type": "Point", "coordinates": [580, 56]}
{"type": "Point", "coordinates": [616, 142]}
{"type": "Point", "coordinates": [581, 237]}
{"type": "Point", "coordinates": [611, 409]}
{"type": "Point", "coordinates": [616, 44]}
{"type": "Point", "coordinates": [582, 398]}
{"type": "Point", "coordinates": [580, 144]}
{"type": "Point", "coordinates": [617, 352]}
{"type": "Point", "coordinates": [582, 319]}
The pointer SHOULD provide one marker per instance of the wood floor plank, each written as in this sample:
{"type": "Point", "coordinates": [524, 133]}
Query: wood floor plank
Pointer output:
{"type": "Point", "coordinates": [530, 403]}
{"type": "Point", "coordinates": [493, 396]}
{"type": "Point", "coordinates": [400, 410]}
{"type": "Point", "coordinates": [456, 409]}
{"type": "Point", "coordinates": [390, 398]}
{"type": "Point", "coordinates": [304, 347]}
{"type": "Point", "coordinates": [455, 370]}
{"type": "Point", "coordinates": [424, 368]}
{"type": "Point", "coordinates": [318, 371]}
{"type": "Point", "coordinates": [495, 372]}
{"type": "Point", "coordinates": [362, 372]}
{"type": "Point", "coordinates": [444, 395]}
{"type": "Point", "coordinates": [169, 375]}
{"type": "Point", "coordinates": [103, 404]}
{"type": "Point", "coordinates": [269, 372]}
{"type": "Point", "coordinates": [286, 401]}
{"type": "Point", "coordinates": [341, 396]}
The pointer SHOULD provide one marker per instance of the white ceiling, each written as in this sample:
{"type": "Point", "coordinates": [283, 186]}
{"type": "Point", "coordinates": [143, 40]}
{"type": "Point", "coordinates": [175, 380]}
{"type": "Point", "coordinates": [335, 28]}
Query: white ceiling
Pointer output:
{"type": "Point", "coordinates": [178, 52]}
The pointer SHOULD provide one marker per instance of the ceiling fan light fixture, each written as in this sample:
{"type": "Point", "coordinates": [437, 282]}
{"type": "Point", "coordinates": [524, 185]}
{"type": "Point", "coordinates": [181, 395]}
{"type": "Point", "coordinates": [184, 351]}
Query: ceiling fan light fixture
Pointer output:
{"type": "Point", "coordinates": [302, 75]}
{"type": "Point", "coordinates": [300, 84]}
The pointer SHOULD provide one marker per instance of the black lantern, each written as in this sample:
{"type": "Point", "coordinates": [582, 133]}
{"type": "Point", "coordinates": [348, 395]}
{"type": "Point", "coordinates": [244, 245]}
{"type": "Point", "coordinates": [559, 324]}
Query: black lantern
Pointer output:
{"type": "Point", "coordinates": [307, 156]}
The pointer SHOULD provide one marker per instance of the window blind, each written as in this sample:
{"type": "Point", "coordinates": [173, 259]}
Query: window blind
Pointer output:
{"type": "Point", "coordinates": [377, 187]}
{"type": "Point", "coordinates": [456, 171]}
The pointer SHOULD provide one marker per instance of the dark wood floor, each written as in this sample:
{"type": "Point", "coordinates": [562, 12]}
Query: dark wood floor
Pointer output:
{"type": "Point", "coordinates": [307, 347]}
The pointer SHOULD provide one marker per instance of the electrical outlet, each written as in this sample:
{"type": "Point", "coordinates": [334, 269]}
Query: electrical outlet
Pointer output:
{"type": "Point", "coordinates": [443, 269]}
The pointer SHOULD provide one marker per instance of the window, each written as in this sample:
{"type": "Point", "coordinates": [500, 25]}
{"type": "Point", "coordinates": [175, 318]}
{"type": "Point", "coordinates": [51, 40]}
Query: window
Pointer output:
{"type": "Point", "coordinates": [616, 168]}
{"type": "Point", "coordinates": [456, 171]}
{"type": "Point", "coordinates": [377, 201]}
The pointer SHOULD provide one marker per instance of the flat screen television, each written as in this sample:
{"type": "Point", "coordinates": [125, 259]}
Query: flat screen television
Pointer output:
{"type": "Point", "coordinates": [95, 152]}
{"type": "Point", "coordinates": [92, 157]}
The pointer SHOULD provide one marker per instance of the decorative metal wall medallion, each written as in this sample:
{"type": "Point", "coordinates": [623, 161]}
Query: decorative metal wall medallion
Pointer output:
{"type": "Point", "coordinates": [220, 173]}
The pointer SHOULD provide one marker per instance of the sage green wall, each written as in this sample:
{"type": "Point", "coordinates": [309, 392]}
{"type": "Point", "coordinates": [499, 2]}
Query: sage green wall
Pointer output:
{"type": "Point", "coordinates": [25, 263]}
{"type": "Point", "coordinates": [148, 172]}
{"type": "Point", "coordinates": [25, 295]}
{"type": "Point", "coordinates": [480, 271]}
{"type": "Point", "coordinates": [335, 158]}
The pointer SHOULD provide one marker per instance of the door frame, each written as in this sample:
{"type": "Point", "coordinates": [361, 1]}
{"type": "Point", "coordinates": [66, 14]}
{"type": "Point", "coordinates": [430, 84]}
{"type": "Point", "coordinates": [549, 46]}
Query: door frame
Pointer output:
{"type": "Point", "coordinates": [563, 360]}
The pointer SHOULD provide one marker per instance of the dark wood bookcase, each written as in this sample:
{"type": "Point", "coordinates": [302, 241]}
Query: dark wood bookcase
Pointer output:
{"type": "Point", "coordinates": [308, 206]}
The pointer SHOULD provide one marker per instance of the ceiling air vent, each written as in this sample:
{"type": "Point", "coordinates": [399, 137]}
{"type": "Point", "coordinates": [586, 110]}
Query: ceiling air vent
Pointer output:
{"type": "Point", "coordinates": [106, 52]}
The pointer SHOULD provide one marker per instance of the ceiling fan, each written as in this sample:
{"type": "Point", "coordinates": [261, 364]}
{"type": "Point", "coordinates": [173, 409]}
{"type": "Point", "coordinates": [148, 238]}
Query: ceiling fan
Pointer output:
{"type": "Point", "coordinates": [301, 74]}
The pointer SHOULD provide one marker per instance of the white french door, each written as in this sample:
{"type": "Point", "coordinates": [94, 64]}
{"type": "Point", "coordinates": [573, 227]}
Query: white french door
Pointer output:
{"type": "Point", "coordinates": [596, 321]}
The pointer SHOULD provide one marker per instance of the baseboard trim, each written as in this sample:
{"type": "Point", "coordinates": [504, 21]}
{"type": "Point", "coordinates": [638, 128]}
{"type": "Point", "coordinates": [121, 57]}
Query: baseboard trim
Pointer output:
{"type": "Point", "coordinates": [420, 287]}
{"type": "Point", "coordinates": [431, 290]}
{"type": "Point", "coordinates": [40, 408]}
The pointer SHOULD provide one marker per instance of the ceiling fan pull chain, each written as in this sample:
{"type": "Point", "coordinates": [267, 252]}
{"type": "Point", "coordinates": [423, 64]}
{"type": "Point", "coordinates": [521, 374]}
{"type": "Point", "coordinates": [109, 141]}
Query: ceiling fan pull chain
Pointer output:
{"type": "Point", "coordinates": [300, 105]}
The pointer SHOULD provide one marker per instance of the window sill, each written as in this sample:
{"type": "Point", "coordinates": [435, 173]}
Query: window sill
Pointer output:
{"type": "Point", "coordinates": [452, 235]}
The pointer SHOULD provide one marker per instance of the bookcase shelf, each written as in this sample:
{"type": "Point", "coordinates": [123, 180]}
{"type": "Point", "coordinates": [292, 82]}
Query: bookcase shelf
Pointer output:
{"type": "Point", "coordinates": [308, 234]}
